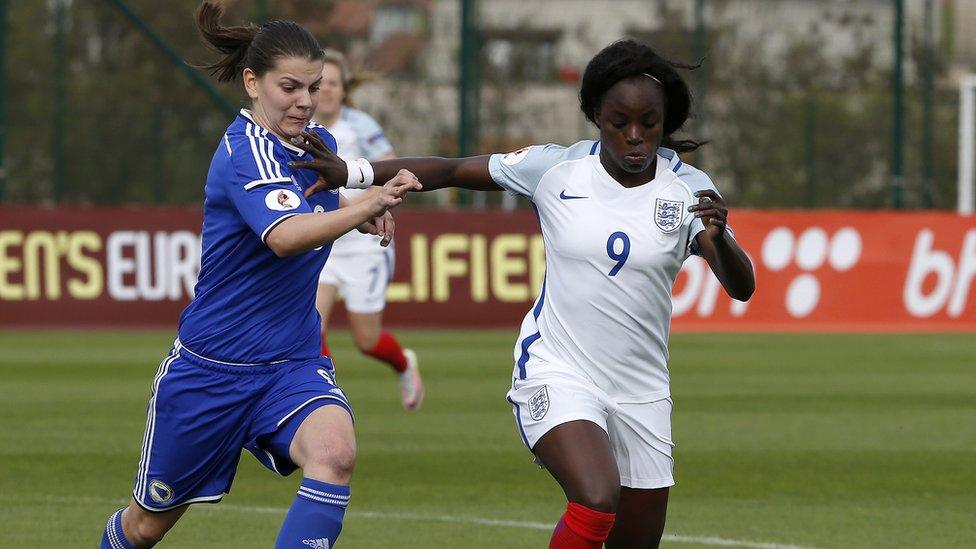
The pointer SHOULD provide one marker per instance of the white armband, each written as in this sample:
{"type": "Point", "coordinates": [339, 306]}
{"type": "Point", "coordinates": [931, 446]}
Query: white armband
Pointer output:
{"type": "Point", "coordinates": [360, 174]}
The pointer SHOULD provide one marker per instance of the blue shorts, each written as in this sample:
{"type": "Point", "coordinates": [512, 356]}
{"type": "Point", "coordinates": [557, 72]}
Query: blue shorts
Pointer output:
{"type": "Point", "coordinates": [202, 413]}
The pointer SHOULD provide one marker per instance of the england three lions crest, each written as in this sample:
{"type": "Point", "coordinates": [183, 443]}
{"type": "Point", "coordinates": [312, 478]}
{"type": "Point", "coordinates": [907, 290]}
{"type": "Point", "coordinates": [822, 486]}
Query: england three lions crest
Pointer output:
{"type": "Point", "coordinates": [668, 214]}
{"type": "Point", "coordinates": [539, 404]}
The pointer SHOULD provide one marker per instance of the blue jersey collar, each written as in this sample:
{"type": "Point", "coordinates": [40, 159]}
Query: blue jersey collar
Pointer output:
{"type": "Point", "coordinates": [246, 115]}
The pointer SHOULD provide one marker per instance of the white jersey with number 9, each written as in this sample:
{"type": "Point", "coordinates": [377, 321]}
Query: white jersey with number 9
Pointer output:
{"type": "Point", "coordinates": [612, 256]}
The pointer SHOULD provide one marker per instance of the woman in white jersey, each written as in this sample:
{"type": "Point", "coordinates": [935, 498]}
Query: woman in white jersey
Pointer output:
{"type": "Point", "coordinates": [359, 267]}
{"type": "Point", "coordinates": [590, 387]}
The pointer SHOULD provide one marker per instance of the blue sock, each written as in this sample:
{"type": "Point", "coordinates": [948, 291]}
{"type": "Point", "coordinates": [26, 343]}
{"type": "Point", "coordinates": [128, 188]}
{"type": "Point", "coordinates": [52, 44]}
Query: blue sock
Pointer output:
{"type": "Point", "coordinates": [315, 518]}
{"type": "Point", "coordinates": [113, 538]}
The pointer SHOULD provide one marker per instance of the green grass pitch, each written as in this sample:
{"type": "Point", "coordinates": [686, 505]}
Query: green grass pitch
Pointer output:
{"type": "Point", "coordinates": [812, 441]}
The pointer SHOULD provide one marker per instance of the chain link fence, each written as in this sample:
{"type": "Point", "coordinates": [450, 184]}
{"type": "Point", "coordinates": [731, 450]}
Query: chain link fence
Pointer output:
{"type": "Point", "coordinates": [796, 98]}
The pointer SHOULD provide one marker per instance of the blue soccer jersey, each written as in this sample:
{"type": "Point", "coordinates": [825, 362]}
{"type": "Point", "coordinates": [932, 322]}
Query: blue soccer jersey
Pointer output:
{"type": "Point", "coordinates": [250, 306]}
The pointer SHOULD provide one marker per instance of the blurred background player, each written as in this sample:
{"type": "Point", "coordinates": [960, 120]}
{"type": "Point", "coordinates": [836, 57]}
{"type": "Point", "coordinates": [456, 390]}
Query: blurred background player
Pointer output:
{"type": "Point", "coordinates": [358, 266]}
{"type": "Point", "coordinates": [591, 387]}
{"type": "Point", "coordinates": [245, 370]}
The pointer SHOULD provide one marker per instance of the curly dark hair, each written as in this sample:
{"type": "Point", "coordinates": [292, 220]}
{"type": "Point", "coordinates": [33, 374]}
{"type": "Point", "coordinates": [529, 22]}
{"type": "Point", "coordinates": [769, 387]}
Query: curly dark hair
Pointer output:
{"type": "Point", "coordinates": [627, 58]}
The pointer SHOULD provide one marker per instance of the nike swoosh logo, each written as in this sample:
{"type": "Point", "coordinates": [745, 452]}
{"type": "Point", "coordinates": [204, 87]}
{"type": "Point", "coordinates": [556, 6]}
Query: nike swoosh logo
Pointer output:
{"type": "Point", "coordinates": [565, 196]}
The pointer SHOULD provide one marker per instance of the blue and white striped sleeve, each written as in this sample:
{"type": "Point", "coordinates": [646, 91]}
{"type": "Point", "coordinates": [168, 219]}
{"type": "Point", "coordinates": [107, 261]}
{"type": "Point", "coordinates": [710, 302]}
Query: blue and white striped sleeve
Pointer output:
{"type": "Point", "coordinates": [263, 190]}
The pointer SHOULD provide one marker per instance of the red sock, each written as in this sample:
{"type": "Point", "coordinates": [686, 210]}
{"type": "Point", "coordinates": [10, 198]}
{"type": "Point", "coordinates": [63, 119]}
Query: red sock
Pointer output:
{"type": "Point", "coordinates": [325, 349]}
{"type": "Point", "coordinates": [581, 528]}
{"type": "Point", "coordinates": [389, 351]}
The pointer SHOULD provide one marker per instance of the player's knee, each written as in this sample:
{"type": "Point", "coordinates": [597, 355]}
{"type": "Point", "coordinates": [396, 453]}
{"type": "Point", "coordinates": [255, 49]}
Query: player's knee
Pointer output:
{"type": "Point", "coordinates": [148, 532]}
{"type": "Point", "coordinates": [363, 347]}
{"type": "Point", "coordinates": [366, 342]}
{"type": "Point", "coordinates": [601, 497]}
{"type": "Point", "coordinates": [333, 463]}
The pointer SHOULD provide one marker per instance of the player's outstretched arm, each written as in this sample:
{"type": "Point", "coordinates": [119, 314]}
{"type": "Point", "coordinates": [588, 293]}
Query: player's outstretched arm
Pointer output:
{"type": "Point", "coordinates": [434, 172]}
{"type": "Point", "coordinates": [438, 173]}
{"type": "Point", "coordinates": [727, 260]}
{"type": "Point", "coordinates": [305, 232]}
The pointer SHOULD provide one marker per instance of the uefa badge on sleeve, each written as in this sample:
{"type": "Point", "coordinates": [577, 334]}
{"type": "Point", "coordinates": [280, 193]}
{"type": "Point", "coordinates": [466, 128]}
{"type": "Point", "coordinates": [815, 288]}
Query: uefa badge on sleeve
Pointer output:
{"type": "Point", "coordinates": [539, 403]}
{"type": "Point", "coordinates": [668, 214]}
{"type": "Point", "coordinates": [282, 200]}
{"type": "Point", "coordinates": [514, 157]}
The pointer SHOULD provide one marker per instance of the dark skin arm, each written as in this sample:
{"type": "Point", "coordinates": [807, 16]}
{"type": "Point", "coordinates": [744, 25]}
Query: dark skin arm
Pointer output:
{"type": "Point", "coordinates": [439, 173]}
{"type": "Point", "coordinates": [727, 260]}
{"type": "Point", "coordinates": [434, 172]}
{"type": "Point", "coordinates": [723, 254]}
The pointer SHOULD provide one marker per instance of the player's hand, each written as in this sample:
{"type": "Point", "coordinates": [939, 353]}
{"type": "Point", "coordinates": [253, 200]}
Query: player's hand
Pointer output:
{"type": "Point", "coordinates": [331, 169]}
{"type": "Point", "coordinates": [391, 194]}
{"type": "Point", "coordinates": [382, 226]}
{"type": "Point", "coordinates": [712, 211]}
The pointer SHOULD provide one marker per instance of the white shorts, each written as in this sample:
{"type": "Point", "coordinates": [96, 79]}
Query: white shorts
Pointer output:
{"type": "Point", "coordinates": [640, 433]}
{"type": "Point", "coordinates": [362, 279]}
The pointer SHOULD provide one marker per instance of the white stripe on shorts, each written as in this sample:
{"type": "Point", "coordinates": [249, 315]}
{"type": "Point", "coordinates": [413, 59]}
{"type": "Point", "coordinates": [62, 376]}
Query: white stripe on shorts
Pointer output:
{"type": "Point", "coordinates": [147, 438]}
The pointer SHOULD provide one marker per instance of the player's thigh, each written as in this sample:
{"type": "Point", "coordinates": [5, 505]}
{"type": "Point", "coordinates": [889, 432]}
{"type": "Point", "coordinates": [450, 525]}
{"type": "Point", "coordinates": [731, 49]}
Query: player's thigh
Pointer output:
{"type": "Point", "coordinates": [562, 419]}
{"type": "Point", "coordinates": [577, 454]}
{"type": "Point", "coordinates": [324, 300]}
{"type": "Point", "coordinates": [640, 518]}
{"type": "Point", "coordinates": [366, 328]}
{"type": "Point", "coordinates": [300, 388]}
{"type": "Point", "coordinates": [324, 445]}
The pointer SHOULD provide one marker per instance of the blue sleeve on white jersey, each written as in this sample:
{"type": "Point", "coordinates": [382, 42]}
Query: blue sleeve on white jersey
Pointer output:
{"type": "Point", "coordinates": [264, 192]}
{"type": "Point", "coordinates": [369, 134]}
{"type": "Point", "coordinates": [697, 180]}
{"type": "Point", "coordinates": [521, 171]}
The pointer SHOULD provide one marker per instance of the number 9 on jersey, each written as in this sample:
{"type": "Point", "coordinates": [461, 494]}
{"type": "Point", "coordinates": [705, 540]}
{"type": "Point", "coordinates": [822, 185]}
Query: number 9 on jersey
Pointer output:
{"type": "Point", "coordinates": [620, 257]}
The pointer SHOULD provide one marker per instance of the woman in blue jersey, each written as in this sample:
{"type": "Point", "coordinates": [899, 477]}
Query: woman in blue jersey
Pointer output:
{"type": "Point", "coordinates": [245, 370]}
{"type": "Point", "coordinates": [590, 387]}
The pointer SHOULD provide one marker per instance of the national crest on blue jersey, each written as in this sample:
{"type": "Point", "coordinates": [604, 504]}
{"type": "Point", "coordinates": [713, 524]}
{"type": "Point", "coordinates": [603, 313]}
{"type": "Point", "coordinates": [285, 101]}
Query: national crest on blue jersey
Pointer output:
{"type": "Point", "coordinates": [668, 214]}
{"type": "Point", "coordinates": [539, 404]}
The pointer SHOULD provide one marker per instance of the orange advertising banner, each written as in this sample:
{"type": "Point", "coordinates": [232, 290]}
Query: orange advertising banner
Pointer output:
{"type": "Point", "coordinates": [816, 270]}
{"type": "Point", "coordinates": [841, 271]}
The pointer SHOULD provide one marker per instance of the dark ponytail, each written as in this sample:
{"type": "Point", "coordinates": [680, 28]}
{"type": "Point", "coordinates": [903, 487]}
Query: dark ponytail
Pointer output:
{"type": "Point", "coordinates": [250, 46]}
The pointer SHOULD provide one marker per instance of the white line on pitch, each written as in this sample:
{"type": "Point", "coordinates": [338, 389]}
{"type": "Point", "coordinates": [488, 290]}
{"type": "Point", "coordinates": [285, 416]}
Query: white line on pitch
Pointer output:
{"type": "Point", "coordinates": [703, 540]}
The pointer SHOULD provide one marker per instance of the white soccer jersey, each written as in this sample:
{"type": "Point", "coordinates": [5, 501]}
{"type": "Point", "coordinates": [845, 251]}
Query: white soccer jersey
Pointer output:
{"type": "Point", "coordinates": [358, 136]}
{"type": "Point", "coordinates": [612, 255]}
